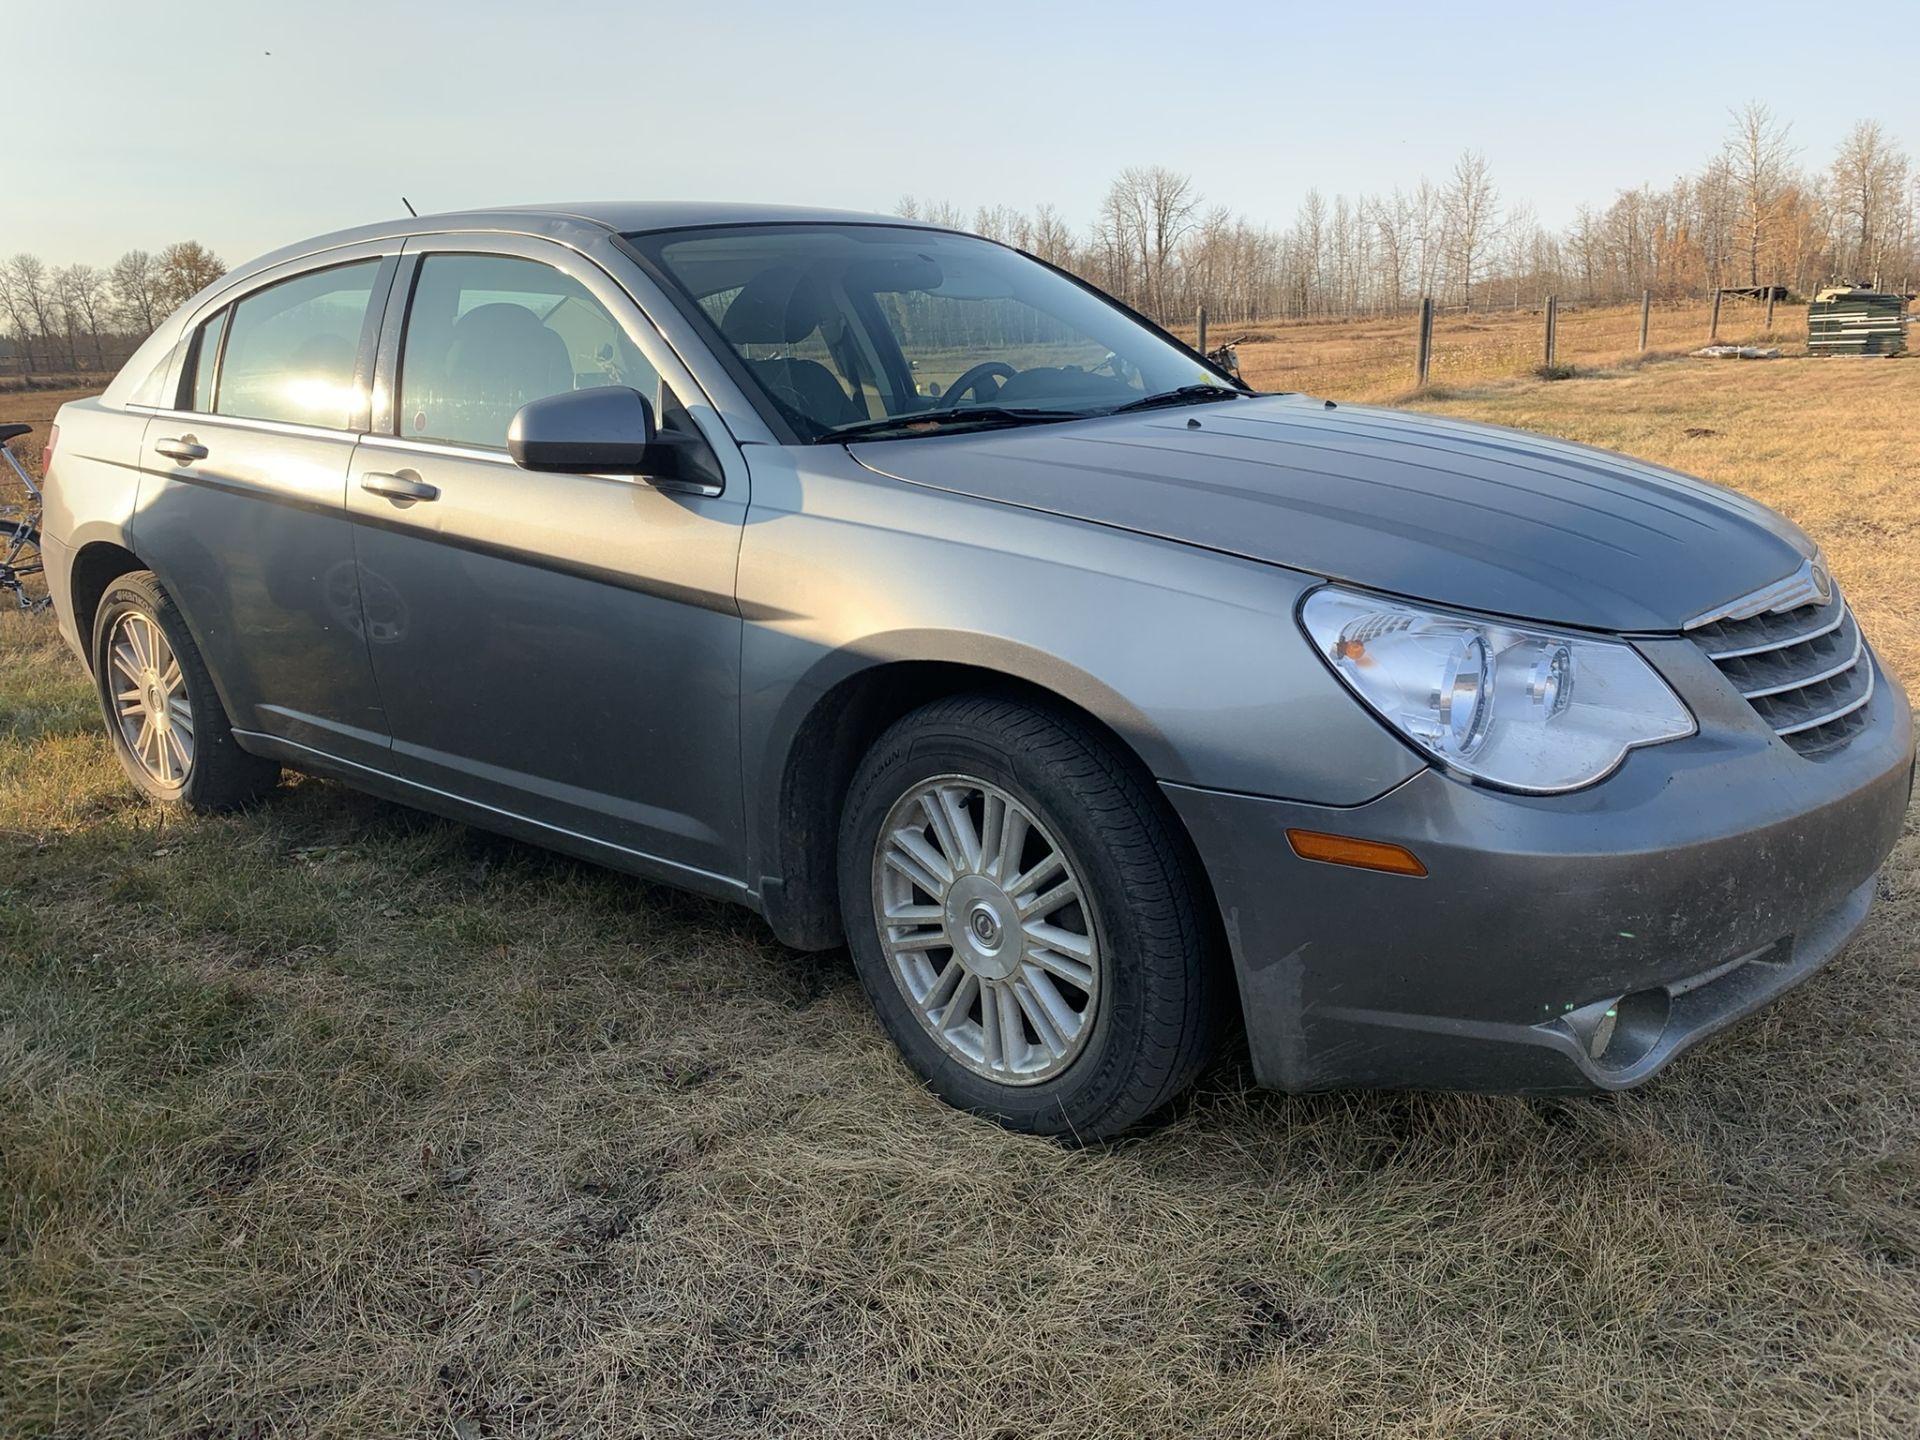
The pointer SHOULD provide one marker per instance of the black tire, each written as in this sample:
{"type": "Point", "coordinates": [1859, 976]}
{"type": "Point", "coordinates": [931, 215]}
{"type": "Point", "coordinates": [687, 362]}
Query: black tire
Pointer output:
{"type": "Point", "coordinates": [1163, 999]}
{"type": "Point", "coordinates": [221, 776]}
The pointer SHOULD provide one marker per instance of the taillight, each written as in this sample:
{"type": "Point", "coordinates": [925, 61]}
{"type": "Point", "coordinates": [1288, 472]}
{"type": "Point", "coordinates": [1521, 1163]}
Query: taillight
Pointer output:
{"type": "Point", "coordinates": [46, 451]}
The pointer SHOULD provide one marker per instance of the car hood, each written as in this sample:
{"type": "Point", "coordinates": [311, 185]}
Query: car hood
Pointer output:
{"type": "Point", "coordinates": [1459, 514]}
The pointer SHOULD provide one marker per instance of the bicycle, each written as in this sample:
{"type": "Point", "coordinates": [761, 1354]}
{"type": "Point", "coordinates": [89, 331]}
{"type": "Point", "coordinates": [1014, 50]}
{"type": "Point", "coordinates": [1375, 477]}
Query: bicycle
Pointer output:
{"type": "Point", "coordinates": [20, 532]}
{"type": "Point", "coordinates": [1227, 356]}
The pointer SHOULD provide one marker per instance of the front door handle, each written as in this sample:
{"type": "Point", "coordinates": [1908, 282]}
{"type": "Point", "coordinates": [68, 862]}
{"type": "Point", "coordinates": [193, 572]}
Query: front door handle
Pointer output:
{"type": "Point", "coordinates": [185, 449]}
{"type": "Point", "coordinates": [403, 486]}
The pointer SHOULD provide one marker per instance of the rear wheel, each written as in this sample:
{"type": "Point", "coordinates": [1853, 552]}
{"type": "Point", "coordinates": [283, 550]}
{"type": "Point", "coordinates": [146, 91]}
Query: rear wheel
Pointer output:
{"type": "Point", "coordinates": [1024, 921]}
{"type": "Point", "coordinates": [166, 723]}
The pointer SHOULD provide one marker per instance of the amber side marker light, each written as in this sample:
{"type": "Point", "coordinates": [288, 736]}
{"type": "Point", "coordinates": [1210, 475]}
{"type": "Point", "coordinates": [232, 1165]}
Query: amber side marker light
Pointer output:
{"type": "Point", "coordinates": [1362, 854]}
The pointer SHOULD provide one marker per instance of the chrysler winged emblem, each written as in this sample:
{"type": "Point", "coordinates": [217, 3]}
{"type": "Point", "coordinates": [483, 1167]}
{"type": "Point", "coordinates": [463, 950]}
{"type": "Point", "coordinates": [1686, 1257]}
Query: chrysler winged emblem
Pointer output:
{"type": "Point", "coordinates": [1811, 584]}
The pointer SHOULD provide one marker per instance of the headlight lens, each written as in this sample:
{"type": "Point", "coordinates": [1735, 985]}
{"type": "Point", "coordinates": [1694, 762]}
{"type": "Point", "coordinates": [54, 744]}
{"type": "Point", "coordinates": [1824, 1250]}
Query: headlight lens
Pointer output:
{"type": "Point", "coordinates": [1524, 708]}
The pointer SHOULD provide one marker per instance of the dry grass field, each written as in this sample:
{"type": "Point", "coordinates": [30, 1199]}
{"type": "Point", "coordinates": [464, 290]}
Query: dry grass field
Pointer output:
{"type": "Point", "coordinates": [330, 1119]}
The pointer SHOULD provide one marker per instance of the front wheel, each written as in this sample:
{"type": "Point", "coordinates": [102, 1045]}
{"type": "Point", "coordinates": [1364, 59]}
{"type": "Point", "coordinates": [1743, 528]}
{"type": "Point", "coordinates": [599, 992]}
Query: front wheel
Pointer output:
{"type": "Point", "coordinates": [165, 721]}
{"type": "Point", "coordinates": [1024, 921]}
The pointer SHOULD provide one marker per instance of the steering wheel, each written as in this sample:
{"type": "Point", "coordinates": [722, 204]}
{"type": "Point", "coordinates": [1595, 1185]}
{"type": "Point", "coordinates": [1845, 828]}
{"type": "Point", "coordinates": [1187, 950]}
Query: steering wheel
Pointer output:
{"type": "Point", "coordinates": [986, 370]}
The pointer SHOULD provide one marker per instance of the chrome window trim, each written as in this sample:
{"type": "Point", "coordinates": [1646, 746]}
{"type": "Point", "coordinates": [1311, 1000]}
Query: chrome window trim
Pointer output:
{"type": "Point", "coordinates": [293, 428]}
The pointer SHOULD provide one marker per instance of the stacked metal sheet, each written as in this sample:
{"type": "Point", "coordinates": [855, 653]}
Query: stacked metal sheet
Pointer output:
{"type": "Point", "coordinates": [1855, 321]}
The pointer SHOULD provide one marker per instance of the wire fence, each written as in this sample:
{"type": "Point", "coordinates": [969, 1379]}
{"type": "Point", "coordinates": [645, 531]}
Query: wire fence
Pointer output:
{"type": "Point", "coordinates": [1376, 357]}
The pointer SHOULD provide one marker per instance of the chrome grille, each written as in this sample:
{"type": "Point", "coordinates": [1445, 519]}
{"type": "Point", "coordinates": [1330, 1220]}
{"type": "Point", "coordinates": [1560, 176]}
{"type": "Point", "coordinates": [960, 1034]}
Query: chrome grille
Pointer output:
{"type": "Point", "coordinates": [1804, 671]}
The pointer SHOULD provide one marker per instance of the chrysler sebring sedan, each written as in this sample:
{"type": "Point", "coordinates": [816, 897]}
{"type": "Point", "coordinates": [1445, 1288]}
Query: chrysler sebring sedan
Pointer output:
{"type": "Point", "coordinates": [925, 600]}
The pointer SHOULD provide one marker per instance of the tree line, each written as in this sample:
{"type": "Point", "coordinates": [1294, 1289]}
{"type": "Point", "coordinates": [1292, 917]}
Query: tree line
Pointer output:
{"type": "Point", "coordinates": [72, 317]}
{"type": "Point", "coordinates": [1750, 216]}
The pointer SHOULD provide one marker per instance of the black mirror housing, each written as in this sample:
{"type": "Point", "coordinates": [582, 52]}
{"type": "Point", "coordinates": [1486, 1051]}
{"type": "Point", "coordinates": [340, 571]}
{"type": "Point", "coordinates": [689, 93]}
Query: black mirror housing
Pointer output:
{"type": "Point", "coordinates": [608, 430]}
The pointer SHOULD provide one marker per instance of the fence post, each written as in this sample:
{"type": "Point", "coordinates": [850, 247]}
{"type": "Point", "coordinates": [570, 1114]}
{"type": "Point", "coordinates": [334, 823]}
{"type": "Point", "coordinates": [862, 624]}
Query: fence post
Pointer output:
{"type": "Point", "coordinates": [1423, 347]}
{"type": "Point", "coordinates": [1713, 325]}
{"type": "Point", "coordinates": [1770, 293]}
{"type": "Point", "coordinates": [1200, 325]}
{"type": "Point", "coordinates": [1553, 316]}
{"type": "Point", "coordinates": [1646, 314]}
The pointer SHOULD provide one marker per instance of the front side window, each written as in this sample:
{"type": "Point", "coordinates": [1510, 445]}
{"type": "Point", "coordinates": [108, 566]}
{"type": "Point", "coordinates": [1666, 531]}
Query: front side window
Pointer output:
{"type": "Point", "coordinates": [486, 334]}
{"type": "Point", "coordinates": [845, 328]}
{"type": "Point", "coordinates": [290, 349]}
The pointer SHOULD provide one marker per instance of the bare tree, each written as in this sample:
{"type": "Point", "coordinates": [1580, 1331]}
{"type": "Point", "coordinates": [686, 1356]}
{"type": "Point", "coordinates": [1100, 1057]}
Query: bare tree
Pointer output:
{"type": "Point", "coordinates": [1149, 211]}
{"type": "Point", "coordinates": [135, 283]}
{"type": "Point", "coordinates": [1307, 247]}
{"type": "Point", "coordinates": [1429, 211]}
{"type": "Point", "coordinates": [1524, 253]}
{"type": "Point", "coordinates": [1869, 184]}
{"type": "Point", "coordinates": [1757, 156]}
{"type": "Point", "coordinates": [1392, 221]}
{"type": "Point", "coordinates": [18, 311]}
{"type": "Point", "coordinates": [83, 302]}
{"type": "Point", "coordinates": [1472, 208]}
{"type": "Point", "coordinates": [1049, 238]}
{"type": "Point", "coordinates": [186, 268]}
{"type": "Point", "coordinates": [31, 303]}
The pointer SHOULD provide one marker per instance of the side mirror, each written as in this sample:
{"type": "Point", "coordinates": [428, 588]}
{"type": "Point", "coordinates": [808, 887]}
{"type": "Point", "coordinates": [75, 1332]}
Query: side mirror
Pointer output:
{"type": "Point", "coordinates": [608, 430]}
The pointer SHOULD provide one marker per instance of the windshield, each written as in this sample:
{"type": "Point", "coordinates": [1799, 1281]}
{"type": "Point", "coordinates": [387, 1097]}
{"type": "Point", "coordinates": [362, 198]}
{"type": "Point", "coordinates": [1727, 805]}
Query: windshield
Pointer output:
{"type": "Point", "coordinates": [875, 329]}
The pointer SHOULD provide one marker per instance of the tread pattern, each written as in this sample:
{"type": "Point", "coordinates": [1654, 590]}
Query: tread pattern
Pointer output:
{"type": "Point", "coordinates": [1183, 997]}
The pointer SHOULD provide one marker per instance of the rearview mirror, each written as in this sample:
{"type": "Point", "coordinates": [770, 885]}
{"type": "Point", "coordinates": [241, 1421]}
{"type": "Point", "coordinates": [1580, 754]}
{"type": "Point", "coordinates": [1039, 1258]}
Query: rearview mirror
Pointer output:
{"type": "Point", "coordinates": [608, 430]}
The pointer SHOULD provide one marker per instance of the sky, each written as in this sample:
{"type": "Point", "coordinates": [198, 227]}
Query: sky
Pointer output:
{"type": "Point", "coordinates": [252, 125]}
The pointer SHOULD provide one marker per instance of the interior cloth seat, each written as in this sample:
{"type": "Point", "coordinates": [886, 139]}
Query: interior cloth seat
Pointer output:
{"type": "Point", "coordinates": [500, 357]}
{"type": "Point", "coordinates": [783, 306]}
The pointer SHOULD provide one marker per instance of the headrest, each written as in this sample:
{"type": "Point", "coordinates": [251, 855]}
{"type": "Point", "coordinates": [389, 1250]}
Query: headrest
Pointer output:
{"type": "Point", "coordinates": [776, 307]}
{"type": "Point", "coordinates": [498, 324]}
{"type": "Point", "coordinates": [505, 345]}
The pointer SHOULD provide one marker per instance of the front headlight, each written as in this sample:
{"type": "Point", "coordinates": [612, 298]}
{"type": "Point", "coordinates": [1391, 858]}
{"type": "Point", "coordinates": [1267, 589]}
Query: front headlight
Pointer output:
{"type": "Point", "coordinates": [1515, 706]}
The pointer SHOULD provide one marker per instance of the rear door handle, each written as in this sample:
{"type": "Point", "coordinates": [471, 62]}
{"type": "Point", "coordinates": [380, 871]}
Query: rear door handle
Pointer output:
{"type": "Point", "coordinates": [404, 486]}
{"type": "Point", "coordinates": [184, 449]}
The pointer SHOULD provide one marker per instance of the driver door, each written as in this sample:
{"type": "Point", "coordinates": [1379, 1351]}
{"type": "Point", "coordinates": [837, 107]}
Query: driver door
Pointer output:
{"type": "Point", "coordinates": [560, 648]}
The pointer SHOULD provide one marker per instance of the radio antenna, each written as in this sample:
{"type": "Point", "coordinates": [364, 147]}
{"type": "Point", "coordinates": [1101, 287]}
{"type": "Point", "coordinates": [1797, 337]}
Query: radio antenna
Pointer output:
{"type": "Point", "coordinates": [410, 210]}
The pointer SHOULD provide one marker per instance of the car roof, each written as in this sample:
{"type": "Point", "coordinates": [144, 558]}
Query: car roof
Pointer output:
{"type": "Point", "coordinates": [576, 221]}
{"type": "Point", "coordinates": [628, 216]}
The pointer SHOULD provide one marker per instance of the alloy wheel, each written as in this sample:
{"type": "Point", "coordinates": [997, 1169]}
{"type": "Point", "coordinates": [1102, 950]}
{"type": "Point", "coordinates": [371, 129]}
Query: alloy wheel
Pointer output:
{"type": "Point", "coordinates": [986, 929]}
{"type": "Point", "coordinates": [150, 702]}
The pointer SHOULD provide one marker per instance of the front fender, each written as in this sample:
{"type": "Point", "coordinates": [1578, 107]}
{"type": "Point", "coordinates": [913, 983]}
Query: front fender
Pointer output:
{"type": "Point", "coordinates": [1192, 657]}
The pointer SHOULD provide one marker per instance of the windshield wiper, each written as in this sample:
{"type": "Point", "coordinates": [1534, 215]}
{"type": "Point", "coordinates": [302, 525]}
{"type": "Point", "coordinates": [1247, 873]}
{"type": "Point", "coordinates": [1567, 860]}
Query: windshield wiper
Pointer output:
{"type": "Point", "coordinates": [1179, 395]}
{"type": "Point", "coordinates": [992, 416]}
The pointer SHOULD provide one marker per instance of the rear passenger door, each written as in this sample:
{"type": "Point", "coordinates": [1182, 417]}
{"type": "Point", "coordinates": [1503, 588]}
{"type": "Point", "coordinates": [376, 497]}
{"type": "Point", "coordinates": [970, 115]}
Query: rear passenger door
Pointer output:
{"type": "Point", "coordinates": [564, 648]}
{"type": "Point", "coordinates": [241, 510]}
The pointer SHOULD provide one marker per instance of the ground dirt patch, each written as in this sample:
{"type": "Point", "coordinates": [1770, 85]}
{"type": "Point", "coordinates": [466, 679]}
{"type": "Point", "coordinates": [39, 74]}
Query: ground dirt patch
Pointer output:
{"type": "Point", "coordinates": [334, 1120]}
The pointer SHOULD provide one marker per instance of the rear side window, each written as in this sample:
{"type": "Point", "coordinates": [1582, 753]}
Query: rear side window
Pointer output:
{"type": "Point", "coordinates": [488, 333]}
{"type": "Point", "coordinates": [290, 349]}
{"type": "Point", "coordinates": [206, 354]}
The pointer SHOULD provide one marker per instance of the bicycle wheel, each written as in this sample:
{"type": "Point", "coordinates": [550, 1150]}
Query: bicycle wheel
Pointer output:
{"type": "Point", "coordinates": [20, 565]}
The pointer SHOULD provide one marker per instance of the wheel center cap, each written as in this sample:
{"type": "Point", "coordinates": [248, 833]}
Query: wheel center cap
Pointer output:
{"type": "Point", "coordinates": [985, 927]}
{"type": "Point", "coordinates": [980, 919]}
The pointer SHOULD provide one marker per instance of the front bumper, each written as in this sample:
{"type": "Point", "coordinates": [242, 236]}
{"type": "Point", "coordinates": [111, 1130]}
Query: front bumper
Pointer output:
{"type": "Point", "coordinates": [1556, 942]}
